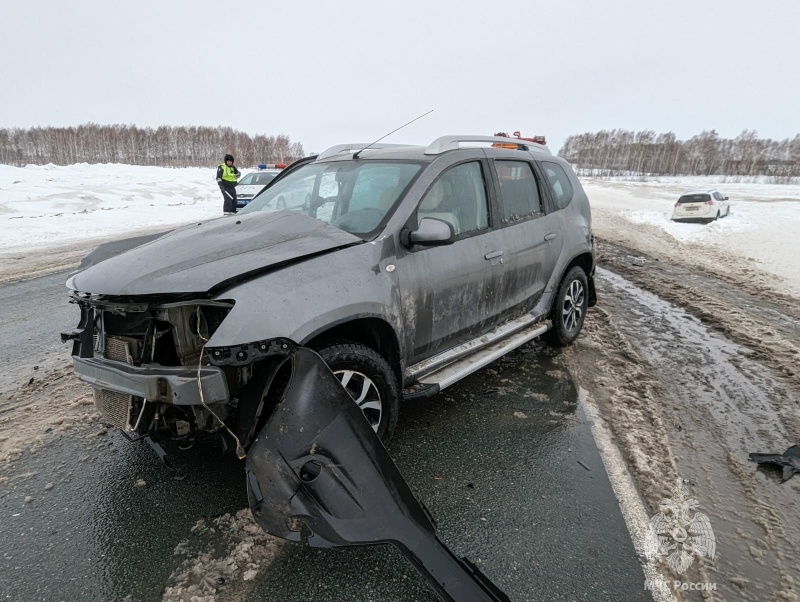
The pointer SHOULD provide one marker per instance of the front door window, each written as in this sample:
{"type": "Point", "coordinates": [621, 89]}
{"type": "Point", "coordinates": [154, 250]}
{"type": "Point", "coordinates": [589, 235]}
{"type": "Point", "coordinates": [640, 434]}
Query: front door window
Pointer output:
{"type": "Point", "coordinates": [458, 197]}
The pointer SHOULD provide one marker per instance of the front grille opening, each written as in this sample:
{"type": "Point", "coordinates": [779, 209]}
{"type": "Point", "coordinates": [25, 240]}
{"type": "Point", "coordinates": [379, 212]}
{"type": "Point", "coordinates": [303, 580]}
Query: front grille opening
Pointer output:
{"type": "Point", "coordinates": [169, 337]}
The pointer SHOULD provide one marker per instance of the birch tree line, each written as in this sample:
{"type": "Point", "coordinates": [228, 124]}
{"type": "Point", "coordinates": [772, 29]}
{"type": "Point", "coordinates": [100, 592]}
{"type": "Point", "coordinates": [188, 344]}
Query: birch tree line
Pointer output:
{"type": "Point", "coordinates": [623, 152]}
{"type": "Point", "coordinates": [171, 146]}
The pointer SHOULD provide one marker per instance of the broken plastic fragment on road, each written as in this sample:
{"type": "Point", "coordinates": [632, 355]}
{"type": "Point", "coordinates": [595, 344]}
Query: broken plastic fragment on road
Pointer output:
{"type": "Point", "coordinates": [789, 461]}
{"type": "Point", "coordinates": [318, 473]}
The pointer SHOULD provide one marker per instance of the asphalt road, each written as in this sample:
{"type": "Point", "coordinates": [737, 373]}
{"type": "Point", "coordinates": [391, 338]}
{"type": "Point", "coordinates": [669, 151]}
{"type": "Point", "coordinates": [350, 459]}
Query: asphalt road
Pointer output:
{"type": "Point", "coordinates": [514, 481]}
{"type": "Point", "coordinates": [33, 313]}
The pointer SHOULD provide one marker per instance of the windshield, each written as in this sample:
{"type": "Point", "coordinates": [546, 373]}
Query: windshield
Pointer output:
{"type": "Point", "coordinates": [354, 196]}
{"type": "Point", "coordinates": [264, 177]}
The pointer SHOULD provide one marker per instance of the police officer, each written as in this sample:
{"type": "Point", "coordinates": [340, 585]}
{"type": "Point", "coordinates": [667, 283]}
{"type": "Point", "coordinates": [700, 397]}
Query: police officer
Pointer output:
{"type": "Point", "coordinates": [227, 175]}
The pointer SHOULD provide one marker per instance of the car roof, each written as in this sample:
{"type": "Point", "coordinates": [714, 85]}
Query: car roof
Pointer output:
{"type": "Point", "coordinates": [441, 146]}
{"type": "Point", "coordinates": [394, 152]}
{"type": "Point", "coordinates": [709, 191]}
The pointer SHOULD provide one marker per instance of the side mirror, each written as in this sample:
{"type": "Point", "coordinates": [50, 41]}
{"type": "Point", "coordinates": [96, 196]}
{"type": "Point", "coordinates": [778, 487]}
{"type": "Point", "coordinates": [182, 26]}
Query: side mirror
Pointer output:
{"type": "Point", "coordinates": [431, 232]}
{"type": "Point", "coordinates": [724, 198]}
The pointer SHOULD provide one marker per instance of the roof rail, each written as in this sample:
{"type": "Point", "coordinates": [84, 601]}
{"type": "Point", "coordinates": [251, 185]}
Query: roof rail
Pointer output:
{"type": "Point", "coordinates": [353, 147]}
{"type": "Point", "coordinates": [447, 143]}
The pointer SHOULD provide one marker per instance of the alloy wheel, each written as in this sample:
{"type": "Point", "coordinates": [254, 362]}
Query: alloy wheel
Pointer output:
{"type": "Point", "coordinates": [364, 392]}
{"type": "Point", "coordinates": [572, 311]}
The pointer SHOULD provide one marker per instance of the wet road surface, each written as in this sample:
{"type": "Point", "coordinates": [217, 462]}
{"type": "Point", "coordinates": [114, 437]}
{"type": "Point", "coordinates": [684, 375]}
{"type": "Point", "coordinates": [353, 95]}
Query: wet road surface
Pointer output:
{"type": "Point", "coordinates": [508, 493]}
{"type": "Point", "coordinates": [33, 314]}
{"type": "Point", "coordinates": [719, 404]}
{"type": "Point", "coordinates": [523, 495]}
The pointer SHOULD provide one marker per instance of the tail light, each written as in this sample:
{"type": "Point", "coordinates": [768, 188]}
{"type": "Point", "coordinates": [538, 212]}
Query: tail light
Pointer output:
{"type": "Point", "coordinates": [709, 202]}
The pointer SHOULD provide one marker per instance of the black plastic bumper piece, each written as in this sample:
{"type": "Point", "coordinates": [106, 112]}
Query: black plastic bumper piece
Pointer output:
{"type": "Point", "coordinates": [318, 473]}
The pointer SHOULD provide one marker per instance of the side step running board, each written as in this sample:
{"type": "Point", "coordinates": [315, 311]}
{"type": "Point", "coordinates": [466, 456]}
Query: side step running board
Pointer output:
{"type": "Point", "coordinates": [420, 392]}
{"type": "Point", "coordinates": [467, 364]}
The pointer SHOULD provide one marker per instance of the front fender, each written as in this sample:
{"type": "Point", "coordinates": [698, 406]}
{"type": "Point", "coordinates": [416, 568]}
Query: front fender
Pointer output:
{"type": "Point", "coordinates": [303, 300]}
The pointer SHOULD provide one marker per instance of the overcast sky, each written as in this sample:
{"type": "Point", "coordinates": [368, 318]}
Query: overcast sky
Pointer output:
{"type": "Point", "coordinates": [339, 71]}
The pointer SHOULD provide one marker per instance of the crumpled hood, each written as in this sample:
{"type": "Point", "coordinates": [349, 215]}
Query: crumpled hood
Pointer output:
{"type": "Point", "coordinates": [198, 258]}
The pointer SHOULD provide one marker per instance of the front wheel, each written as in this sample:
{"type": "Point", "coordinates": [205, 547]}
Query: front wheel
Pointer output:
{"type": "Point", "coordinates": [369, 381]}
{"type": "Point", "coordinates": [569, 309]}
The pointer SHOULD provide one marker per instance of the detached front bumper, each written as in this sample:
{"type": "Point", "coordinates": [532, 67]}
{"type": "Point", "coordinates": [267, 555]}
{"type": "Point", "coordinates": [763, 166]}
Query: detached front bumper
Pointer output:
{"type": "Point", "coordinates": [178, 385]}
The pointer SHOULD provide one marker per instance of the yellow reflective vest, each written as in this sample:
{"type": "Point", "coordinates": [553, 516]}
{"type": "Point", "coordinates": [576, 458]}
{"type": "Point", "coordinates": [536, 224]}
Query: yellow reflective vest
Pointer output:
{"type": "Point", "coordinates": [228, 174]}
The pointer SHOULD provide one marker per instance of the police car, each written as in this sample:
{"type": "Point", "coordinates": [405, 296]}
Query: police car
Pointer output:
{"type": "Point", "coordinates": [253, 183]}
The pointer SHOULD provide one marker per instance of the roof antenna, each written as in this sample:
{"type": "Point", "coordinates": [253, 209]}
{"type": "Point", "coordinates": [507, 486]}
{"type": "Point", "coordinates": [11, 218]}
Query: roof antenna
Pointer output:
{"type": "Point", "coordinates": [355, 156]}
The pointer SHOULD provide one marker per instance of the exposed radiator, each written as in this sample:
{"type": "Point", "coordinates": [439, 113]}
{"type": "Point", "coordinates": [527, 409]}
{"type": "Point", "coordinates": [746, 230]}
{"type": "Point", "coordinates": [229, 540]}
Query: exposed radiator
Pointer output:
{"type": "Point", "coordinates": [120, 349]}
{"type": "Point", "coordinates": [114, 407]}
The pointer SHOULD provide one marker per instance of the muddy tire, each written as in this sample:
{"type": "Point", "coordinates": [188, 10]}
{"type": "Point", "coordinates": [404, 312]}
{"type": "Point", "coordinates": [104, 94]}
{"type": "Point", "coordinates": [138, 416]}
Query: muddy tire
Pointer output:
{"type": "Point", "coordinates": [369, 380]}
{"type": "Point", "coordinates": [569, 308]}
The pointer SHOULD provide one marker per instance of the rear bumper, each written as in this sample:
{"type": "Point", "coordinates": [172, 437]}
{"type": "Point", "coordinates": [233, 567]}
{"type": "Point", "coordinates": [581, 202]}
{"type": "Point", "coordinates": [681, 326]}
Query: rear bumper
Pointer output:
{"type": "Point", "coordinates": [684, 215]}
{"type": "Point", "coordinates": [693, 219]}
{"type": "Point", "coordinates": [175, 385]}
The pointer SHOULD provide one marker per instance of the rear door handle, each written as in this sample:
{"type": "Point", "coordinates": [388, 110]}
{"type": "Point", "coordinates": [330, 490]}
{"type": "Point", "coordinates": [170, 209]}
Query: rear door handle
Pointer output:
{"type": "Point", "coordinates": [550, 236]}
{"type": "Point", "coordinates": [493, 254]}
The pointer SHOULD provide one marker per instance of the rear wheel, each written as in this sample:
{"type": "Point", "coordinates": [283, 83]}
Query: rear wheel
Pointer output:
{"type": "Point", "coordinates": [569, 309]}
{"type": "Point", "coordinates": [369, 381]}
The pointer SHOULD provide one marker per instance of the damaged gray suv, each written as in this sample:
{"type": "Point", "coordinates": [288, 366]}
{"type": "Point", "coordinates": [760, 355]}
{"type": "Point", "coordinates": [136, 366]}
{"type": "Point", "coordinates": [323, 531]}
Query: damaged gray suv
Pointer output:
{"type": "Point", "coordinates": [406, 269]}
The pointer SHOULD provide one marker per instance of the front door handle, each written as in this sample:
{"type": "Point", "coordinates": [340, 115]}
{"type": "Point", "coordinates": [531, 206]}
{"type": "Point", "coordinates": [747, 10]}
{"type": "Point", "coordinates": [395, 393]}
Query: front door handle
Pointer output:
{"type": "Point", "coordinates": [493, 254]}
{"type": "Point", "coordinates": [550, 236]}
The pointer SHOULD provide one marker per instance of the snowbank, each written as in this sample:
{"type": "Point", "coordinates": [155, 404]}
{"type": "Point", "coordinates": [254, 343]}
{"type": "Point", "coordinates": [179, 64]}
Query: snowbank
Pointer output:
{"type": "Point", "coordinates": [47, 206]}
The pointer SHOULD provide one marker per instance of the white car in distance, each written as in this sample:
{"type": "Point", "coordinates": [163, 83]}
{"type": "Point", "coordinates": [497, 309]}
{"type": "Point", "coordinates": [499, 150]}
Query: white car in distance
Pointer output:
{"type": "Point", "coordinates": [701, 206]}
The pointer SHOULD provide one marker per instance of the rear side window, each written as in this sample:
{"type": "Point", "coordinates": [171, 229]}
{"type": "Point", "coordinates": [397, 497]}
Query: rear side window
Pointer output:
{"type": "Point", "coordinates": [518, 190]}
{"type": "Point", "coordinates": [559, 183]}
{"type": "Point", "coordinates": [694, 198]}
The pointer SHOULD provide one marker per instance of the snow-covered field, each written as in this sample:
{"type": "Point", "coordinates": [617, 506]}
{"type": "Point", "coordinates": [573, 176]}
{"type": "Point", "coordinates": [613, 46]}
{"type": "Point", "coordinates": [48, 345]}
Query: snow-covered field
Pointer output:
{"type": "Point", "coordinates": [53, 215]}
{"type": "Point", "coordinates": [761, 232]}
{"type": "Point", "coordinates": [45, 208]}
